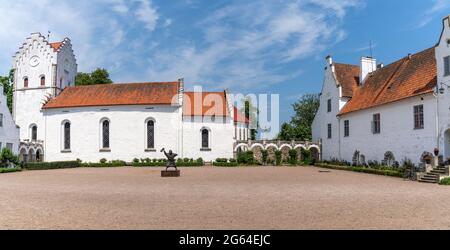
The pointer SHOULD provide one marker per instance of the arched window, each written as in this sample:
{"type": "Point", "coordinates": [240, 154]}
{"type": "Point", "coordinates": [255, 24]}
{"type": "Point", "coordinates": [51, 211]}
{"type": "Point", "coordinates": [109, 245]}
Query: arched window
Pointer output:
{"type": "Point", "coordinates": [34, 133]}
{"type": "Point", "coordinates": [42, 80]}
{"type": "Point", "coordinates": [25, 82]}
{"type": "Point", "coordinates": [105, 134]}
{"type": "Point", "coordinates": [150, 134]}
{"type": "Point", "coordinates": [67, 136]}
{"type": "Point", "coordinates": [205, 138]}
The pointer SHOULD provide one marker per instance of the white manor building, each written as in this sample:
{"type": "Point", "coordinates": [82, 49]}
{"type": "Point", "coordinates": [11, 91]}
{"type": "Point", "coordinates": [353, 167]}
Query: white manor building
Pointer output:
{"type": "Point", "coordinates": [403, 107]}
{"type": "Point", "coordinates": [60, 122]}
{"type": "Point", "coordinates": [9, 131]}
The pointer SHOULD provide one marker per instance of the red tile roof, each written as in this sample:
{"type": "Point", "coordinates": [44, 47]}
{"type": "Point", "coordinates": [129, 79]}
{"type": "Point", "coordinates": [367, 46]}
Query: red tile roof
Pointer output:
{"type": "Point", "coordinates": [56, 45]}
{"type": "Point", "coordinates": [239, 117]}
{"type": "Point", "coordinates": [210, 103]}
{"type": "Point", "coordinates": [402, 79]}
{"type": "Point", "coordinates": [151, 93]}
{"type": "Point", "coordinates": [348, 77]}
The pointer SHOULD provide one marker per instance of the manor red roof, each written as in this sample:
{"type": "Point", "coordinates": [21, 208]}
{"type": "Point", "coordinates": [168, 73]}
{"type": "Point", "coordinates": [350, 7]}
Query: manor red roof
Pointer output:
{"type": "Point", "coordinates": [410, 76]}
{"type": "Point", "coordinates": [210, 103]}
{"type": "Point", "coordinates": [348, 77]}
{"type": "Point", "coordinates": [150, 93]}
{"type": "Point", "coordinates": [56, 45]}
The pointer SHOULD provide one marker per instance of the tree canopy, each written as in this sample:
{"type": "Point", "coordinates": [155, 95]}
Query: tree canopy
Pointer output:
{"type": "Point", "coordinates": [7, 82]}
{"type": "Point", "coordinates": [300, 126]}
{"type": "Point", "coordinates": [98, 76]}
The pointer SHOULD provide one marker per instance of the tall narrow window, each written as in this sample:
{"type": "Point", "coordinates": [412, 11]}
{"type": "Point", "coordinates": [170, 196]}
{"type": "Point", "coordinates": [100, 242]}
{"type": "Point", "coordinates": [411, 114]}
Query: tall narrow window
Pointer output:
{"type": "Point", "coordinates": [329, 105]}
{"type": "Point", "coordinates": [67, 136]}
{"type": "Point", "coordinates": [376, 124]}
{"type": "Point", "coordinates": [150, 134]}
{"type": "Point", "coordinates": [346, 128]}
{"type": "Point", "coordinates": [34, 133]}
{"type": "Point", "coordinates": [418, 117]}
{"type": "Point", "coordinates": [329, 131]}
{"type": "Point", "coordinates": [205, 138]}
{"type": "Point", "coordinates": [42, 80]}
{"type": "Point", "coordinates": [1, 120]}
{"type": "Point", "coordinates": [447, 66]}
{"type": "Point", "coordinates": [105, 134]}
{"type": "Point", "coordinates": [25, 82]}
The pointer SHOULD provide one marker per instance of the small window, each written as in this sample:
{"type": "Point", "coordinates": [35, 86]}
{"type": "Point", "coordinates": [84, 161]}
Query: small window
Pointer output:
{"type": "Point", "coordinates": [376, 124]}
{"type": "Point", "coordinates": [205, 138]}
{"type": "Point", "coordinates": [418, 117]}
{"type": "Point", "coordinates": [25, 82]}
{"type": "Point", "coordinates": [34, 133]}
{"type": "Point", "coordinates": [329, 105]}
{"type": "Point", "coordinates": [150, 134]}
{"type": "Point", "coordinates": [67, 136]}
{"type": "Point", "coordinates": [42, 80]}
{"type": "Point", "coordinates": [346, 128]}
{"type": "Point", "coordinates": [105, 134]}
{"type": "Point", "coordinates": [329, 131]}
{"type": "Point", "coordinates": [9, 146]}
{"type": "Point", "coordinates": [1, 120]}
{"type": "Point", "coordinates": [447, 66]}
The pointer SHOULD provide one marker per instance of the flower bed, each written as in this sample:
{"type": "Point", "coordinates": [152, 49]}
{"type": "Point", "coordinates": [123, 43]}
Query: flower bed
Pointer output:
{"type": "Point", "coordinates": [385, 172]}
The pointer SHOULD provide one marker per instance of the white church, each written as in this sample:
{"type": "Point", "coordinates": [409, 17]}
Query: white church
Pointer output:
{"type": "Point", "coordinates": [61, 122]}
{"type": "Point", "coordinates": [402, 108]}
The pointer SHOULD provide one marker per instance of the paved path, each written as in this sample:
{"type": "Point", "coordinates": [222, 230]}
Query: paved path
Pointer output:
{"type": "Point", "coordinates": [218, 198]}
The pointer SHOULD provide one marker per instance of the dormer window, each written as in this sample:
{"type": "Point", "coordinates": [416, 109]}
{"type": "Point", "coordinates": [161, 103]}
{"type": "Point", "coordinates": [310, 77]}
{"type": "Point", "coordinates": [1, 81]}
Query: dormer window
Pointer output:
{"type": "Point", "coordinates": [42, 80]}
{"type": "Point", "coordinates": [447, 66]}
{"type": "Point", "coordinates": [25, 82]}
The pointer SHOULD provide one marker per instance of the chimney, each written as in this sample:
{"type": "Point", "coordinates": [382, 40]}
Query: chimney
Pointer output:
{"type": "Point", "coordinates": [368, 65]}
{"type": "Point", "coordinates": [380, 66]}
{"type": "Point", "coordinates": [330, 64]}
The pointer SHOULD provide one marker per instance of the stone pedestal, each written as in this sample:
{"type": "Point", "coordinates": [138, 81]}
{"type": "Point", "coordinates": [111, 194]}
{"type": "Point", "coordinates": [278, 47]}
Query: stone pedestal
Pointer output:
{"type": "Point", "coordinates": [170, 173]}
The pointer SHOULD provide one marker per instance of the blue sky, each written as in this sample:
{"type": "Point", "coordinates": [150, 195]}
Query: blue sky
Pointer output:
{"type": "Point", "coordinates": [247, 46]}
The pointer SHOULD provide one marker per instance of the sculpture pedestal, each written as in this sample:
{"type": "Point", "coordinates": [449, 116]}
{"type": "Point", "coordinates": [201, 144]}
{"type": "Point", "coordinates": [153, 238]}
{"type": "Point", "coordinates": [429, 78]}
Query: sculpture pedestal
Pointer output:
{"type": "Point", "coordinates": [170, 173]}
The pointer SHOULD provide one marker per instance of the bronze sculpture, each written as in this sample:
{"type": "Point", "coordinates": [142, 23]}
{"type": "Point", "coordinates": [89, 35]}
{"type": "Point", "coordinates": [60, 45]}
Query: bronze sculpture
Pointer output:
{"type": "Point", "coordinates": [170, 159]}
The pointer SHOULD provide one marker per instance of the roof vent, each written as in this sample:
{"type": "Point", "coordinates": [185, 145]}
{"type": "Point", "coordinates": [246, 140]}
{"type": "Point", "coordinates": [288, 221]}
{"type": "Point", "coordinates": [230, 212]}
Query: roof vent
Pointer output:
{"type": "Point", "coordinates": [380, 66]}
{"type": "Point", "coordinates": [409, 56]}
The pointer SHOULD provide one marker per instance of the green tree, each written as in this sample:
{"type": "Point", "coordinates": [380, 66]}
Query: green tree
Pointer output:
{"type": "Point", "coordinates": [300, 127]}
{"type": "Point", "coordinates": [8, 84]}
{"type": "Point", "coordinates": [251, 113]}
{"type": "Point", "coordinates": [98, 76]}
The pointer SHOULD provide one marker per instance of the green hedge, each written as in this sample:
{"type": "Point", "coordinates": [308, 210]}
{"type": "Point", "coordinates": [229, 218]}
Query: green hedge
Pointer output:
{"type": "Point", "coordinates": [225, 164]}
{"type": "Point", "coordinates": [445, 182]}
{"type": "Point", "coordinates": [9, 170]}
{"type": "Point", "coordinates": [385, 172]}
{"type": "Point", "coordinates": [103, 165]}
{"type": "Point", "coordinates": [52, 165]}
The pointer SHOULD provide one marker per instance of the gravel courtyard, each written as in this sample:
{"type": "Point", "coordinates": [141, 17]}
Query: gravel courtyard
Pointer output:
{"type": "Point", "coordinates": [218, 198]}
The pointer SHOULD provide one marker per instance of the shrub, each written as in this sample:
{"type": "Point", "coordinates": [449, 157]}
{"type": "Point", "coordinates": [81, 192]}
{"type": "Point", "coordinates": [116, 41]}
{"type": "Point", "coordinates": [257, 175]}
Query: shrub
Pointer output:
{"type": "Point", "coordinates": [200, 161]}
{"type": "Point", "coordinates": [278, 157]}
{"type": "Point", "coordinates": [445, 182]}
{"type": "Point", "coordinates": [246, 158]}
{"type": "Point", "coordinates": [9, 170]}
{"type": "Point", "coordinates": [103, 161]}
{"type": "Point", "coordinates": [135, 160]}
{"type": "Point", "coordinates": [7, 157]}
{"type": "Point", "coordinates": [307, 157]}
{"type": "Point", "coordinates": [265, 156]}
{"type": "Point", "coordinates": [232, 160]}
{"type": "Point", "coordinates": [225, 163]}
{"type": "Point", "coordinates": [293, 157]}
{"type": "Point", "coordinates": [52, 165]}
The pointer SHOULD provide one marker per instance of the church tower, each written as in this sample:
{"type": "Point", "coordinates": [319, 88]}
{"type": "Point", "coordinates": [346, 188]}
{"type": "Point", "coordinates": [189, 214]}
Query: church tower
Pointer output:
{"type": "Point", "coordinates": [42, 71]}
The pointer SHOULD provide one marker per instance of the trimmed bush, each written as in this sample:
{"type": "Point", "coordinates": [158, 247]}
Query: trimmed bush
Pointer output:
{"type": "Point", "coordinates": [278, 157]}
{"type": "Point", "coordinates": [52, 165]}
{"type": "Point", "coordinates": [7, 157]}
{"type": "Point", "coordinates": [103, 160]}
{"type": "Point", "coordinates": [385, 172]}
{"type": "Point", "coordinates": [445, 182]}
{"type": "Point", "coordinates": [9, 170]}
{"type": "Point", "coordinates": [246, 158]}
{"type": "Point", "coordinates": [265, 156]}
{"type": "Point", "coordinates": [225, 163]}
{"type": "Point", "coordinates": [293, 157]}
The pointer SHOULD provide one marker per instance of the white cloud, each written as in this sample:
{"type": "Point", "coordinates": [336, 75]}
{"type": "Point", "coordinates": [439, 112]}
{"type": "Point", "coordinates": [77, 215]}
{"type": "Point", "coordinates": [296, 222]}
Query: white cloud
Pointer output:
{"type": "Point", "coordinates": [97, 29]}
{"type": "Point", "coordinates": [147, 14]}
{"type": "Point", "coordinates": [438, 6]}
{"type": "Point", "coordinates": [246, 44]}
